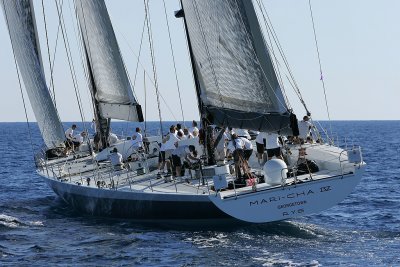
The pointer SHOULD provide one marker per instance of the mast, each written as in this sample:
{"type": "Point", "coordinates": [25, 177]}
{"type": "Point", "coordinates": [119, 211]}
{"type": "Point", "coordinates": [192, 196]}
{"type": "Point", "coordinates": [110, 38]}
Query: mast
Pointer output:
{"type": "Point", "coordinates": [112, 92]}
{"type": "Point", "coordinates": [207, 138]}
{"type": "Point", "coordinates": [102, 125]}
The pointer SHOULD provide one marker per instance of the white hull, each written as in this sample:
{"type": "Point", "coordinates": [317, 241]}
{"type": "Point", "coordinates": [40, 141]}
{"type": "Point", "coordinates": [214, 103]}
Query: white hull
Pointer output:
{"type": "Point", "coordinates": [290, 201]}
{"type": "Point", "coordinates": [144, 197]}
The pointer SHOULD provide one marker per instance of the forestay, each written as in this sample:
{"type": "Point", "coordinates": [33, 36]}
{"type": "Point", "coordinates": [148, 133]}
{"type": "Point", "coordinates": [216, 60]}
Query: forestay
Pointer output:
{"type": "Point", "coordinates": [19, 15]}
{"type": "Point", "coordinates": [113, 89]}
{"type": "Point", "coordinates": [237, 80]}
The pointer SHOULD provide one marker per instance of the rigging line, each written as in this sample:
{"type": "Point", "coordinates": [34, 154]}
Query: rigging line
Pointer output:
{"type": "Point", "coordinates": [258, 60]}
{"type": "Point", "coordinates": [76, 80]}
{"type": "Point", "coordinates": [48, 53]}
{"type": "Point", "coordinates": [147, 75]}
{"type": "Point", "coordinates": [275, 61]}
{"type": "Point", "coordinates": [140, 51]}
{"type": "Point", "coordinates": [55, 48]}
{"type": "Point", "coordinates": [320, 65]}
{"type": "Point", "coordinates": [78, 36]}
{"type": "Point", "coordinates": [148, 23]}
{"type": "Point", "coordinates": [145, 103]}
{"type": "Point", "coordinates": [269, 25]}
{"type": "Point", "coordinates": [71, 66]}
{"type": "Point", "coordinates": [19, 81]}
{"type": "Point", "coordinates": [173, 60]}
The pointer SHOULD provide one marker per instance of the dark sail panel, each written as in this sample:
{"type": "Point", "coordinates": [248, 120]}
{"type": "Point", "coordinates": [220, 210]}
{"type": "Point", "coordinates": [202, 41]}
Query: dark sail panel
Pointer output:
{"type": "Point", "coordinates": [238, 84]}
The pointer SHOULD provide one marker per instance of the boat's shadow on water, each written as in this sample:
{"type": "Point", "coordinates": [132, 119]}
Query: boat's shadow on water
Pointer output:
{"type": "Point", "coordinates": [58, 209]}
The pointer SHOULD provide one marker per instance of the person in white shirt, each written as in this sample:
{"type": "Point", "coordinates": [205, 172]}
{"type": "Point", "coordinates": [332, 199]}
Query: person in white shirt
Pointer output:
{"type": "Point", "coordinates": [69, 135]}
{"type": "Point", "coordinates": [305, 127]}
{"type": "Point", "coordinates": [116, 159]}
{"type": "Point", "coordinates": [79, 139]}
{"type": "Point", "coordinates": [235, 147]}
{"type": "Point", "coordinates": [242, 133]}
{"type": "Point", "coordinates": [179, 128]}
{"type": "Point", "coordinates": [187, 134]}
{"type": "Point", "coordinates": [194, 128]}
{"type": "Point", "coordinates": [273, 146]}
{"type": "Point", "coordinates": [112, 138]}
{"type": "Point", "coordinates": [167, 146]}
{"type": "Point", "coordinates": [178, 154]}
{"type": "Point", "coordinates": [247, 148]}
{"type": "Point", "coordinates": [137, 139]}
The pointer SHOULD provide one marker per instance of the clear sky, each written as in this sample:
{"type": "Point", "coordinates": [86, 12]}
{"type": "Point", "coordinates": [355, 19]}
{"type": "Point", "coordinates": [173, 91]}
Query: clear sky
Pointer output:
{"type": "Point", "coordinates": [359, 43]}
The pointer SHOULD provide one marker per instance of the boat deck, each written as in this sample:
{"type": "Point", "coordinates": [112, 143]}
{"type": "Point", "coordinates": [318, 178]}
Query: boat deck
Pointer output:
{"type": "Point", "coordinates": [103, 176]}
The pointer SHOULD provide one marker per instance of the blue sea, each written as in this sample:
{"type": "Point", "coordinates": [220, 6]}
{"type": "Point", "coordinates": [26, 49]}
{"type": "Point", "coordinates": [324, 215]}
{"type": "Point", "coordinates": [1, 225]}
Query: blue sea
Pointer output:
{"type": "Point", "coordinates": [38, 229]}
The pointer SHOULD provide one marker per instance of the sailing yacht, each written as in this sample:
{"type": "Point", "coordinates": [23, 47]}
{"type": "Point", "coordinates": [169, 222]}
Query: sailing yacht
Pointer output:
{"type": "Point", "coordinates": [236, 85]}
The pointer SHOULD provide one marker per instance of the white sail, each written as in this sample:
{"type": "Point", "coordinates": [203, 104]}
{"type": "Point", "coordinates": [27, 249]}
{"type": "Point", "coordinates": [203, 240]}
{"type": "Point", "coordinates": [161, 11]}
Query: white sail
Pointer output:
{"type": "Point", "coordinates": [238, 84]}
{"type": "Point", "coordinates": [113, 89]}
{"type": "Point", "coordinates": [19, 15]}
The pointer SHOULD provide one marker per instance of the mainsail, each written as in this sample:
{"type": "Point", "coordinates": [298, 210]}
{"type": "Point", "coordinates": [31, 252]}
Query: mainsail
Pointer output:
{"type": "Point", "coordinates": [237, 83]}
{"type": "Point", "coordinates": [19, 15]}
{"type": "Point", "coordinates": [113, 90]}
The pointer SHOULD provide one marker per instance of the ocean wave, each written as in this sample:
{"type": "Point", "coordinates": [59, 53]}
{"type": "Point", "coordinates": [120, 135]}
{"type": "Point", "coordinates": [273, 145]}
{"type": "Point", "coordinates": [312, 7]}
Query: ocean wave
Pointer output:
{"type": "Point", "coordinates": [14, 222]}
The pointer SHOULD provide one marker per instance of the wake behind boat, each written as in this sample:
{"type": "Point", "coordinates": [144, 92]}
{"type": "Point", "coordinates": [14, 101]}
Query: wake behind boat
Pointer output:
{"type": "Point", "coordinates": [237, 86]}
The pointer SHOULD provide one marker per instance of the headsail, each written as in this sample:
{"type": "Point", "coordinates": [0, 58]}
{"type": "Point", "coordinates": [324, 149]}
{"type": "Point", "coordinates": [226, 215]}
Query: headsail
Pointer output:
{"type": "Point", "coordinates": [19, 15]}
{"type": "Point", "coordinates": [237, 80]}
{"type": "Point", "coordinates": [113, 89]}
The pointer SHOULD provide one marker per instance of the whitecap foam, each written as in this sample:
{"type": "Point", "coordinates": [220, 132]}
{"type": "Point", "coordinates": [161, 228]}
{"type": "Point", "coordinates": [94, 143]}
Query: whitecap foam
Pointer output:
{"type": "Point", "coordinates": [9, 221]}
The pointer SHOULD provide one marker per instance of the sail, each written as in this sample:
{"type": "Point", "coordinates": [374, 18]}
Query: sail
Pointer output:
{"type": "Point", "coordinates": [19, 15]}
{"type": "Point", "coordinates": [113, 90]}
{"type": "Point", "coordinates": [237, 83]}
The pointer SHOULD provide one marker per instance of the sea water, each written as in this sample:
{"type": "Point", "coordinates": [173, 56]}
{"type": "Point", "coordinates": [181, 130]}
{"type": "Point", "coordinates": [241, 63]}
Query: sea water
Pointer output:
{"type": "Point", "coordinates": [37, 228]}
